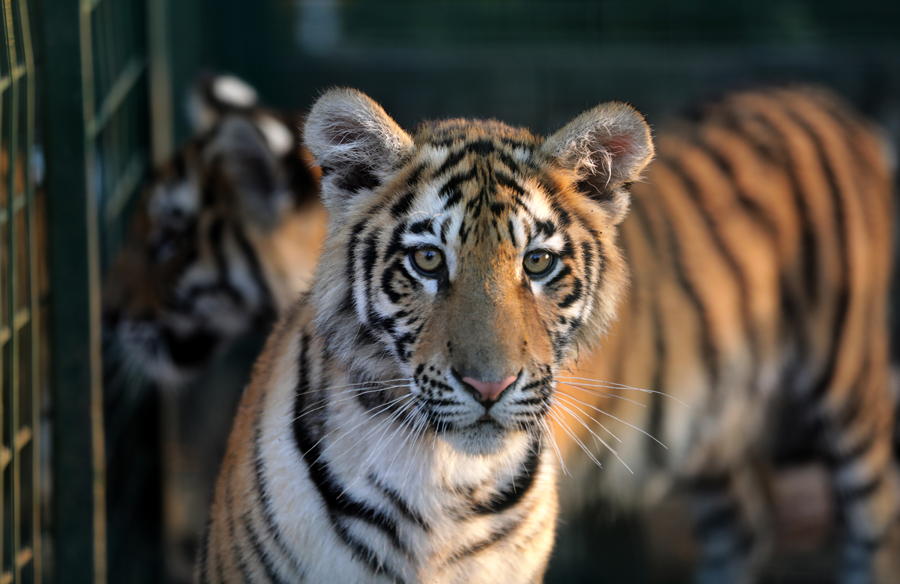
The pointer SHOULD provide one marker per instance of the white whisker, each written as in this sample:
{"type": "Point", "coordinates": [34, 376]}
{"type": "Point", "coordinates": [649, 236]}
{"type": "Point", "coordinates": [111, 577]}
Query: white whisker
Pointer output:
{"type": "Point", "coordinates": [601, 393]}
{"type": "Point", "coordinates": [612, 385]}
{"type": "Point", "coordinates": [572, 435]}
{"type": "Point", "coordinates": [645, 433]}
{"type": "Point", "coordinates": [596, 437]}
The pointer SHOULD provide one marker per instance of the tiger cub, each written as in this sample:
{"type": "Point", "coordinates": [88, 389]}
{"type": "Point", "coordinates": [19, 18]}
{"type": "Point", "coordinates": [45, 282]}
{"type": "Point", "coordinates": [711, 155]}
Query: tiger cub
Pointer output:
{"type": "Point", "coordinates": [755, 328]}
{"type": "Point", "coordinates": [224, 237]}
{"type": "Point", "coordinates": [395, 429]}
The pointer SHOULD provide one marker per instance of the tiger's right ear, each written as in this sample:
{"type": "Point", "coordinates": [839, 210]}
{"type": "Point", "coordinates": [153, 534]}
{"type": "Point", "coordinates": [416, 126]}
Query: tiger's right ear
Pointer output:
{"type": "Point", "coordinates": [355, 142]}
{"type": "Point", "coordinates": [608, 147]}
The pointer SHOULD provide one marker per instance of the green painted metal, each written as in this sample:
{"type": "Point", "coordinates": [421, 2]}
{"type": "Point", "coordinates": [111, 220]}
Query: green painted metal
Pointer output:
{"type": "Point", "coordinates": [79, 501]}
{"type": "Point", "coordinates": [98, 147]}
{"type": "Point", "coordinates": [20, 543]}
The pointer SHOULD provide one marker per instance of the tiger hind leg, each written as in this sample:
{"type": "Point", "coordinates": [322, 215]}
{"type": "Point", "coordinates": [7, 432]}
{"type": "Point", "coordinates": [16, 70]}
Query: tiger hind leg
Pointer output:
{"type": "Point", "coordinates": [734, 525]}
{"type": "Point", "coordinates": [857, 441]}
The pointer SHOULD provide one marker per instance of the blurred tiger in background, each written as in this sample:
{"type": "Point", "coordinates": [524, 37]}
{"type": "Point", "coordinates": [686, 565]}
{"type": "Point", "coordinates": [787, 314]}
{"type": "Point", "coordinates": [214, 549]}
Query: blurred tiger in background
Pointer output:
{"type": "Point", "coordinates": [755, 329]}
{"type": "Point", "coordinates": [224, 237]}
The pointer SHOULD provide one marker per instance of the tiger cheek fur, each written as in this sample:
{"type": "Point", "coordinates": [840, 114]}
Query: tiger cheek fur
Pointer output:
{"type": "Point", "coordinates": [395, 428]}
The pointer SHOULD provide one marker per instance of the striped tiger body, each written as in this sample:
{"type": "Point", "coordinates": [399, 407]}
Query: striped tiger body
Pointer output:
{"type": "Point", "coordinates": [395, 427]}
{"type": "Point", "coordinates": [224, 238]}
{"type": "Point", "coordinates": [760, 253]}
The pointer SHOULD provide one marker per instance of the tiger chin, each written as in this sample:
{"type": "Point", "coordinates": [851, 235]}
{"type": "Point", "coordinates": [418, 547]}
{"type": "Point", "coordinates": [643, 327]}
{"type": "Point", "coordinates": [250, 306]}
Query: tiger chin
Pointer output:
{"type": "Point", "coordinates": [395, 429]}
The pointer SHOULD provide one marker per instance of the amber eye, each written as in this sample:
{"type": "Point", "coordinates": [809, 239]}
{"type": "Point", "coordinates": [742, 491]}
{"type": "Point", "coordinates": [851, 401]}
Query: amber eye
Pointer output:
{"type": "Point", "coordinates": [539, 262]}
{"type": "Point", "coordinates": [428, 260]}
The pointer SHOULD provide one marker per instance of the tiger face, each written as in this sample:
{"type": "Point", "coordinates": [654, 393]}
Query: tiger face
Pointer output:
{"type": "Point", "coordinates": [201, 268]}
{"type": "Point", "coordinates": [471, 260]}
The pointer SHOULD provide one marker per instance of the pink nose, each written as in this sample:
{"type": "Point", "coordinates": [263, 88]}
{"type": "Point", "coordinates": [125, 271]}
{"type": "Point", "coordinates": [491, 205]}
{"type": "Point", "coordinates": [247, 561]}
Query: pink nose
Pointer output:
{"type": "Point", "coordinates": [490, 390]}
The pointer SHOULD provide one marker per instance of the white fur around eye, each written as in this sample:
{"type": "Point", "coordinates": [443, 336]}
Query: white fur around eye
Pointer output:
{"type": "Point", "coordinates": [554, 243]}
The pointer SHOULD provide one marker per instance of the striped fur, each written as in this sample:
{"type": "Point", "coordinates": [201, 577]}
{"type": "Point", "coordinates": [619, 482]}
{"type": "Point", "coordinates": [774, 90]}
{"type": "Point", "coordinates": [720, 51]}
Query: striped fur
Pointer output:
{"type": "Point", "coordinates": [224, 237]}
{"type": "Point", "coordinates": [365, 448]}
{"type": "Point", "coordinates": [760, 251]}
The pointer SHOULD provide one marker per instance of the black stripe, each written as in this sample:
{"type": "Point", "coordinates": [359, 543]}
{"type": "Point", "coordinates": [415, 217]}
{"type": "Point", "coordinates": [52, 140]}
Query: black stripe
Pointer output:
{"type": "Point", "coordinates": [270, 569]}
{"type": "Point", "coordinates": [216, 235]}
{"type": "Point", "coordinates": [545, 227]}
{"type": "Point", "coordinates": [563, 272]}
{"type": "Point", "coordinates": [369, 262]}
{"type": "Point", "coordinates": [220, 568]}
{"type": "Point", "coordinates": [518, 488]}
{"type": "Point", "coordinates": [387, 277]}
{"type": "Point", "coordinates": [509, 142]}
{"type": "Point", "coordinates": [693, 191]}
{"type": "Point", "coordinates": [851, 125]}
{"type": "Point", "coordinates": [265, 503]}
{"type": "Point", "coordinates": [481, 147]}
{"type": "Point", "coordinates": [452, 160]}
{"type": "Point", "coordinates": [843, 293]}
{"type": "Point", "coordinates": [512, 232]}
{"type": "Point", "coordinates": [356, 178]}
{"type": "Point", "coordinates": [655, 451]}
{"type": "Point", "coordinates": [752, 207]}
{"type": "Point", "coordinates": [350, 267]}
{"type": "Point", "coordinates": [783, 160]}
{"type": "Point", "coordinates": [232, 530]}
{"type": "Point", "coordinates": [414, 175]}
{"type": "Point", "coordinates": [267, 305]}
{"type": "Point", "coordinates": [837, 459]}
{"type": "Point", "coordinates": [484, 544]}
{"type": "Point", "coordinates": [420, 227]}
{"type": "Point", "coordinates": [504, 180]}
{"type": "Point", "coordinates": [640, 213]}
{"type": "Point", "coordinates": [337, 501]}
{"type": "Point", "coordinates": [402, 506]}
{"type": "Point", "coordinates": [574, 295]}
{"type": "Point", "coordinates": [403, 205]}
{"type": "Point", "coordinates": [851, 494]}
{"type": "Point", "coordinates": [562, 214]}
{"type": "Point", "coordinates": [709, 347]}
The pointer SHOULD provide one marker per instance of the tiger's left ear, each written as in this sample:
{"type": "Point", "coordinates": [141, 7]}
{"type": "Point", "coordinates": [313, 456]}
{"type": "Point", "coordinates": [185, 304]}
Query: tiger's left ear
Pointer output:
{"type": "Point", "coordinates": [355, 142]}
{"type": "Point", "coordinates": [607, 147]}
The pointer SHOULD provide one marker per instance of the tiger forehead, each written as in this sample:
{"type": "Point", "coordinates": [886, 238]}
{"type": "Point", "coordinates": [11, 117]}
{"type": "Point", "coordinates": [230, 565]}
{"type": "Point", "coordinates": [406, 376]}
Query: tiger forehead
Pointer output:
{"type": "Point", "coordinates": [486, 152]}
{"type": "Point", "coordinates": [448, 132]}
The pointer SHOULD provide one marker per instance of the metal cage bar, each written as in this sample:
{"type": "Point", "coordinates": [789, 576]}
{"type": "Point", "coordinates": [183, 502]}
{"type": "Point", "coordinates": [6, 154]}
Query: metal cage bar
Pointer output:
{"type": "Point", "coordinates": [98, 143]}
{"type": "Point", "coordinates": [79, 496]}
{"type": "Point", "coordinates": [19, 329]}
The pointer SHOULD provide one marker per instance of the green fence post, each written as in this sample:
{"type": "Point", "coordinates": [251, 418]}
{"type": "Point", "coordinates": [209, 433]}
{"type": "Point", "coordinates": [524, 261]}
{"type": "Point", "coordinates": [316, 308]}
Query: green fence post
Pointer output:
{"type": "Point", "coordinates": [80, 521]}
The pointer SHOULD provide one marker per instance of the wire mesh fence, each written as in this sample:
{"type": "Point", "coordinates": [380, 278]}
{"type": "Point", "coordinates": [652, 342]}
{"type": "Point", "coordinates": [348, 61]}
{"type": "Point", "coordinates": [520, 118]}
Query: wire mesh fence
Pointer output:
{"type": "Point", "coordinates": [20, 332]}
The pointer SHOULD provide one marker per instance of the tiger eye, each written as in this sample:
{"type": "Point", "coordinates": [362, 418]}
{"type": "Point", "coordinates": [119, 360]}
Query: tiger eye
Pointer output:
{"type": "Point", "coordinates": [539, 262]}
{"type": "Point", "coordinates": [428, 260]}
